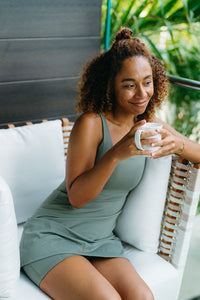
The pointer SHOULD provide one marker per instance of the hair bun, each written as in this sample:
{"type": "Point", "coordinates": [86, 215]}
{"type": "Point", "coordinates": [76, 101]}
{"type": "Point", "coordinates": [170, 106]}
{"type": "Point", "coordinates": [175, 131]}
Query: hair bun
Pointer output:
{"type": "Point", "coordinates": [123, 33]}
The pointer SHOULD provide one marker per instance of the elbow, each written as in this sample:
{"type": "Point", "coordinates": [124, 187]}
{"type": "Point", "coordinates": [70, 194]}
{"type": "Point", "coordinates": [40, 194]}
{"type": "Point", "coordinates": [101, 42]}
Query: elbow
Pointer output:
{"type": "Point", "coordinates": [73, 201]}
{"type": "Point", "coordinates": [79, 199]}
{"type": "Point", "coordinates": [75, 204]}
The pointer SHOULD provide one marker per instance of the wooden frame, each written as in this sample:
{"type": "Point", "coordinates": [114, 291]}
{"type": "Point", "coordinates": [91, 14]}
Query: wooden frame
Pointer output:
{"type": "Point", "coordinates": [180, 209]}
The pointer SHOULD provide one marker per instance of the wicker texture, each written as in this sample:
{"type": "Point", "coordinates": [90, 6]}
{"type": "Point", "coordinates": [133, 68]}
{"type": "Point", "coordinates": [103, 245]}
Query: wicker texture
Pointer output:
{"type": "Point", "coordinates": [66, 128]}
{"type": "Point", "coordinates": [181, 204]}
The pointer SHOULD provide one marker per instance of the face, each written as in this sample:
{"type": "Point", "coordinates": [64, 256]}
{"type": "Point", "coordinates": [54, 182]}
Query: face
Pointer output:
{"type": "Point", "coordinates": [134, 86]}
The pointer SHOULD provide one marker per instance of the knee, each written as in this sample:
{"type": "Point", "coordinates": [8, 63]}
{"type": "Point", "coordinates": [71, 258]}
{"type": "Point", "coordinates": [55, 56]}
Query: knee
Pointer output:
{"type": "Point", "coordinates": [142, 294]}
{"type": "Point", "coordinates": [148, 295]}
{"type": "Point", "coordinates": [145, 294]}
{"type": "Point", "coordinates": [108, 296]}
{"type": "Point", "coordinates": [112, 297]}
{"type": "Point", "coordinates": [115, 297]}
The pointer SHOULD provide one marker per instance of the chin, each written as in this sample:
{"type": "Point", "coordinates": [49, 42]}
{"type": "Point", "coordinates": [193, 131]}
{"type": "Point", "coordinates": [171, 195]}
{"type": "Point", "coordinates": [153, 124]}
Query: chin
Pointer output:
{"type": "Point", "coordinates": [143, 110]}
{"type": "Point", "coordinates": [140, 112]}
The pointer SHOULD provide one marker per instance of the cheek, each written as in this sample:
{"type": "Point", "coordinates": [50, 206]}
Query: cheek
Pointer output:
{"type": "Point", "coordinates": [125, 96]}
{"type": "Point", "coordinates": [121, 95]}
{"type": "Point", "coordinates": [150, 91]}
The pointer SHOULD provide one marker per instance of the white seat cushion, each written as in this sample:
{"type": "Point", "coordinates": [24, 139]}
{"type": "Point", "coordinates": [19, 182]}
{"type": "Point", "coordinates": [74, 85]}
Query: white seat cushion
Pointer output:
{"type": "Point", "coordinates": [160, 275]}
{"type": "Point", "coordinates": [26, 289]}
{"type": "Point", "coordinates": [20, 228]}
{"type": "Point", "coordinates": [139, 223]}
{"type": "Point", "coordinates": [32, 162]}
{"type": "Point", "coordinates": [9, 246]}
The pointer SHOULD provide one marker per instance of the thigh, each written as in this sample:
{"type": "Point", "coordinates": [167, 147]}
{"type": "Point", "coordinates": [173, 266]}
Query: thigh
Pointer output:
{"type": "Point", "coordinates": [124, 278]}
{"type": "Point", "coordinates": [76, 278]}
{"type": "Point", "coordinates": [38, 269]}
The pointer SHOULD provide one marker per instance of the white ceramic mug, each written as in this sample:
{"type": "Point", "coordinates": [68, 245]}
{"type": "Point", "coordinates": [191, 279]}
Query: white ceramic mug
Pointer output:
{"type": "Point", "coordinates": [147, 127]}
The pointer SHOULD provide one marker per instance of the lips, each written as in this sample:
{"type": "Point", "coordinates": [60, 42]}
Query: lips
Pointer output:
{"type": "Point", "coordinates": [139, 104]}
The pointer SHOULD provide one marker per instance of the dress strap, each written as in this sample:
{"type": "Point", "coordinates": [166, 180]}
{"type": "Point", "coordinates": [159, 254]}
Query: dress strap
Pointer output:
{"type": "Point", "coordinates": [106, 132]}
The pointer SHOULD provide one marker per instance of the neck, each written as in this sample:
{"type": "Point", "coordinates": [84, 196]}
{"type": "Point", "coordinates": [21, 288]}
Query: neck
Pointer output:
{"type": "Point", "coordinates": [121, 120]}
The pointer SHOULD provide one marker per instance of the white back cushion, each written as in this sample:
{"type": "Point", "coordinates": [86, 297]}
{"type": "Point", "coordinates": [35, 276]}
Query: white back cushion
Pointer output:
{"type": "Point", "coordinates": [140, 221]}
{"type": "Point", "coordinates": [32, 162]}
{"type": "Point", "coordinates": [9, 247]}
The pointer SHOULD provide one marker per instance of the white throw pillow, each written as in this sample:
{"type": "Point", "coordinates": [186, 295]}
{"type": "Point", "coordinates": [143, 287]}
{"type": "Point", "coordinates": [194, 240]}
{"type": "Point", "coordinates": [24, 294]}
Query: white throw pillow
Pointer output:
{"type": "Point", "coordinates": [9, 247]}
{"type": "Point", "coordinates": [139, 223]}
{"type": "Point", "coordinates": [32, 163]}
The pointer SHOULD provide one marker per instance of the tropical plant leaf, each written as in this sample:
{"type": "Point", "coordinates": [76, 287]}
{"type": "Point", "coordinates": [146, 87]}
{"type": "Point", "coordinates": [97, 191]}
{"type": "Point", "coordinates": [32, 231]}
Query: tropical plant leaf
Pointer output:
{"type": "Point", "coordinates": [153, 46]}
{"type": "Point", "coordinates": [127, 12]}
{"type": "Point", "coordinates": [171, 28]}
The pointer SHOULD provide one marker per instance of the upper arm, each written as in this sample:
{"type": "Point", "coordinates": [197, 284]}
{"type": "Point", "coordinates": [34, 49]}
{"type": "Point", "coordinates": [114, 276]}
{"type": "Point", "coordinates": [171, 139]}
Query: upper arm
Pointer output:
{"type": "Point", "coordinates": [85, 137]}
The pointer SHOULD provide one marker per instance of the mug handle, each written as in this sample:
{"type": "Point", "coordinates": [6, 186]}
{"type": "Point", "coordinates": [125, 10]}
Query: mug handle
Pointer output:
{"type": "Point", "coordinates": [137, 139]}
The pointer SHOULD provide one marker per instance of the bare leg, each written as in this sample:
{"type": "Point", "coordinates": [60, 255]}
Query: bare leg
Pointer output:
{"type": "Point", "coordinates": [124, 278]}
{"type": "Point", "coordinates": [75, 278]}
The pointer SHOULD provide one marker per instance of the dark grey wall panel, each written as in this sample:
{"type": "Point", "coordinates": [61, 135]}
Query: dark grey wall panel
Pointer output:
{"type": "Point", "coordinates": [43, 46]}
{"type": "Point", "coordinates": [37, 100]}
{"type": "Point", "coordinates": [35, 59]}
{"type": "Point", "coordinates": [49, 18]}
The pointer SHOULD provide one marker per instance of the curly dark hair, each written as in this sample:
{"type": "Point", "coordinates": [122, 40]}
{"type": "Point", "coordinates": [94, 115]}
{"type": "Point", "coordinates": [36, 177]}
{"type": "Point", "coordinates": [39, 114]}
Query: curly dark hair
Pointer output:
{"type": "Point", "coordinates": [96, 84]}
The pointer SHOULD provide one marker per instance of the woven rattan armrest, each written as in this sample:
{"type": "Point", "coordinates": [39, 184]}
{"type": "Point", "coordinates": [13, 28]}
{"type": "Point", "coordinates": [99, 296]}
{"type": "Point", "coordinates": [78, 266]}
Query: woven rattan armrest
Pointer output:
{"type": "Point", "coordinates": [180, 209]}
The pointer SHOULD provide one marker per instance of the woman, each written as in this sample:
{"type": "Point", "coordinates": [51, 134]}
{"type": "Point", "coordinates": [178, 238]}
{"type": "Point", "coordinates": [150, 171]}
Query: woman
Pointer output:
{"type": "Point", "coordinates": [68, 247]}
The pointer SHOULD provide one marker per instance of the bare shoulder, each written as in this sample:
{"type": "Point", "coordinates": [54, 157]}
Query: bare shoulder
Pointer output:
{"type": "Point", "coordinates": [91, 119]}
{"type": "Point", "coordinates": [88, 125]}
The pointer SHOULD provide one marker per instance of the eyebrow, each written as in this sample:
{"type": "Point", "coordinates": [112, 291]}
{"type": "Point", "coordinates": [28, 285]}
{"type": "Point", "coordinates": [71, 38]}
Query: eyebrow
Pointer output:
{"type": "Point", "coordinates": [132, 79]}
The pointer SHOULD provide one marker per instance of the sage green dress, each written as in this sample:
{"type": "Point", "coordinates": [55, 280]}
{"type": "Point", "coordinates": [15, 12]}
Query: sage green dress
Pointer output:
{"type": "Point", "coordinates": [57, 230]}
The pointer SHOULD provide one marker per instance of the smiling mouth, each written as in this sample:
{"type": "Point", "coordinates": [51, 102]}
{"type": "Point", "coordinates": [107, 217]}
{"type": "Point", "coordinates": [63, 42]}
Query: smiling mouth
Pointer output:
{"type": "Point", "coordinates": [139, 104]}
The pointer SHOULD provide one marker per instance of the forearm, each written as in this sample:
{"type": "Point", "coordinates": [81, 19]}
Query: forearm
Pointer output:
{"type": "Point", "coordinates": [183, 146]}
{"type": "Point", "coordinates": [187, 149]}
{"type": "Point", "coordinates": [89, 184]}
{"type": "Point", "coordinates": [191, 150]}
{"type": "Point", "coordinates": [85, 179]}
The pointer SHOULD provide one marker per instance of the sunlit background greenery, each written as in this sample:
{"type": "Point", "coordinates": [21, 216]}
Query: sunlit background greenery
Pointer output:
{"type": "Point", "coordinates": [171, 28]}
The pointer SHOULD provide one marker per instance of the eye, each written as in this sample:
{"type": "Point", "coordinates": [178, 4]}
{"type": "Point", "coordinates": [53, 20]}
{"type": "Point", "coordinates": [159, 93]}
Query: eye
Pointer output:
{"type": "Point", "coordinates": [129, 85]}
{"type": "Point", "coordinates": [148, 82]}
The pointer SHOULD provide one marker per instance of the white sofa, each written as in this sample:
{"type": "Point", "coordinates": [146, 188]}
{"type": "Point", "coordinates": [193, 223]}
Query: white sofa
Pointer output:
{"type": "Point", "coordinates": [155, 232]}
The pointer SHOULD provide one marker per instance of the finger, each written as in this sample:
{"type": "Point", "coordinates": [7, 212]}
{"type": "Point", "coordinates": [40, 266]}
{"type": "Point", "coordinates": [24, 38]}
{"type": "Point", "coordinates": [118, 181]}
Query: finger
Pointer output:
{"type": "Point", "coordinates": [147, 134]}
{"type": "Point", "coordinates": [161, 152]}
{"type": "Point", "coordinates": [152, 142]}
{"type": "Point", "coordinates": [144, 152]}
{"type": "Point", "coordinates": [163, 132]}
{"type": "Point", "coordinates": [137, 125]}
{"type": "Point", "coordinates": [167, 141]}
{"type": "Point", "coordinates": [158, 143]}
{"type": "Point", "coordinates": [156, 154]}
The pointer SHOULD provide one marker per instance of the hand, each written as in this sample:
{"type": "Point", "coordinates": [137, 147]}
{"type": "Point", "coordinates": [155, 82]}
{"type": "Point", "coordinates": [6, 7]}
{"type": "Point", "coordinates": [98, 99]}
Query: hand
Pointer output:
{"type": "Point", "coordinates": [170, 144]}
{"type": "Point", "coordinates": [126, 147]}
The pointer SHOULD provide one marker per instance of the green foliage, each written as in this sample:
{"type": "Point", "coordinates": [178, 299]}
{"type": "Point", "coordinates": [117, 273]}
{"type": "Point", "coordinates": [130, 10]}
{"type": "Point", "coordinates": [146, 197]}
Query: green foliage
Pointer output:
{"type": "Point", "coordinates": [149, 16]}
{"type": "Point", "coordinates": [198, 208]}
{"type": "Point", "coordinates": [171, 28]}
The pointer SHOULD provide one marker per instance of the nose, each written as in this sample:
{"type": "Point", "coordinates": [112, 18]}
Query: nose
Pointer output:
{"type": "Point", "coordinates": [140, 91]}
